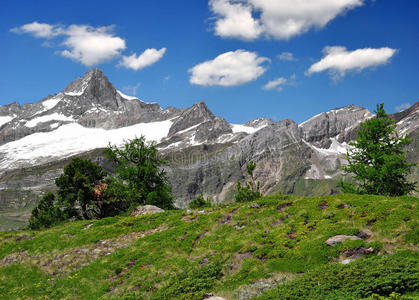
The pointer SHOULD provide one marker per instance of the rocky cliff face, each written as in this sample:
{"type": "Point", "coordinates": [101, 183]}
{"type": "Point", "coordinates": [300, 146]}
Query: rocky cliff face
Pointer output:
{"type": "Point", "coordinates": [207, 154]}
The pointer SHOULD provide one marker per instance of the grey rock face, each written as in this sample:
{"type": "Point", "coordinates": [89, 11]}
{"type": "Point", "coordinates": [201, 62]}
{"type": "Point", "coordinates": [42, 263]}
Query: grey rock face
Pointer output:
{"type": "Point", "coordinates": [90, 101]}
{"type": "Point", "coordinates": [319, 129]}
{"type": "Point", "coordinates": [195, 115]}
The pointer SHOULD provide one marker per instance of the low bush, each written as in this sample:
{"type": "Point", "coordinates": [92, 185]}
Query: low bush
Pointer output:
{"type": "Point", "coordinates": [370, 277]}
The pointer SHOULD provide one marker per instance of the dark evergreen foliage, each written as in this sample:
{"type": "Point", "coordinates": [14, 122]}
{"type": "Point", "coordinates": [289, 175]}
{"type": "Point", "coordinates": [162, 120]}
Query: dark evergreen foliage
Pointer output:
{"type": "Point", "coordinates": [46, 213]}
{"type": "Point", "coordinates": [76, 188]}
{"type": "Point", "coordinates": [250, 191]}
{"type": "Point", "coordinates": [200, 202]}
{"type": "Point", "coordinates": [140, 179]}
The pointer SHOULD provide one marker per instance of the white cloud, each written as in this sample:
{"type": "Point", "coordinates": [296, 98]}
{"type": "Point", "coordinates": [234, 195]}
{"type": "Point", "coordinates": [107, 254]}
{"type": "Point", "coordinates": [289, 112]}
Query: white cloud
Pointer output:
{"type": "Point", "coordinates": [235, 20]}
{"type": "Point", "coordinates": [229, 69]}
{"type": "Point", "coordinates": [132, 90]}
{"type": "Point", "coordinates": [338, 60]}
{"type": "Point", "coordinates": [90, 45]}
{"type": "Point", "coordinates": [40, 30]}
{"type": "Point", "coordinates": [403, 107]}
{"type": "Point", "coordinates": [280, 19]}
{"type": "Point", "coordinates": [287, 56]}
{"type": "Point", "coordinates": [275, 84]}
{"type": "Point", "coordinates": [279, 83]}
{"type": "Point", "coordinates": [147, 58]}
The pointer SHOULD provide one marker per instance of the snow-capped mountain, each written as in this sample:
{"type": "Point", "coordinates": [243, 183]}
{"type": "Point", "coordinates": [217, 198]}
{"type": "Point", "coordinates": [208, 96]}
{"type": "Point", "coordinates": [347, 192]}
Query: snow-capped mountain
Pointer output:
{"type": "Point", "coordinates": [206, 153]}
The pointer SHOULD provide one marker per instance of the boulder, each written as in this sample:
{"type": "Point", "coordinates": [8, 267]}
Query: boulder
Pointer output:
{"type": "Point", "coordinates": [146, 209]}
{"type": "Point", "coordinates": [332, 241]}
{"type": "Point", "coordinates": [211, 296]}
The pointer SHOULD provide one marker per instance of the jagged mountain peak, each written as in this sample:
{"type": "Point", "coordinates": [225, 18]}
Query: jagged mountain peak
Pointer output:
{"type": "Point", "coordinates": [94, 84]}
{"type": "Point", "coordinates": [199, 108]}
{"type": "Point", "coordinates": [196, 114]}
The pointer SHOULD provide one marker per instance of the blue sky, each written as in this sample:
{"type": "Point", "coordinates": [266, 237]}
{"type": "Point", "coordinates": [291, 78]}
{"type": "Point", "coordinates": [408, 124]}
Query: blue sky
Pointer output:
{"type": "Point", "coordinates": [225, 52]}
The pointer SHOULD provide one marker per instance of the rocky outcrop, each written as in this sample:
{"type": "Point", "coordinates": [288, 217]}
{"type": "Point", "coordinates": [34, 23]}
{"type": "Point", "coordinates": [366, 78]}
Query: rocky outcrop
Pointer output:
{"type": "Point", "coordinates": [319, 129]}
{"type": "Point", "coordinates": [146, 209]}
{"type": "Point", "coordinates": [91, 101]}
{"type": "Point", "coordinates": [332, 241]}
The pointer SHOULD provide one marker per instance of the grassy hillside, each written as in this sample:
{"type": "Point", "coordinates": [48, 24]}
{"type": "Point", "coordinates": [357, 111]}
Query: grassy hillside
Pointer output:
{"type": "Point", "coordinates": [274, 247]}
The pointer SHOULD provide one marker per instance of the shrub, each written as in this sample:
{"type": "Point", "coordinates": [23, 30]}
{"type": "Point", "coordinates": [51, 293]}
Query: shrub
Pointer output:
{"type": "Point", "coordinates": [250, 191]}
{"type": "Point", "coordinates": [46, 213]}
{"type": "Point", "coordinates": [200, 202]}
{"type": "Point", "coordinates": [76, 188]}
{"type": "Point", "coordinates": [379, 276]}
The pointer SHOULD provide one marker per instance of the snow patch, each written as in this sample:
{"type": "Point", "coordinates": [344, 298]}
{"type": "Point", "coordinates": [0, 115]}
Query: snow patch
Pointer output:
{"type": "Point", "coordinates": [335, 148]}
{"type": "Point", "coordinates": [51, 103]}
{"type": "Point", "coordinates": [54, 125]}
{"type": "Point", "coordinates": [75, 93]}
{"type": "Point", "coordinates": [126, 96]}
{"type": "Point", "coordinates": [312, 118]}
{"type": "Point", "coordinates": [5, 119]}
{"type": "Point", "coordinates": [73, 138]}
{"type": "Point", "coordinates": [247, 129]}
{"type": "Point", "coordinates": [47, 118]}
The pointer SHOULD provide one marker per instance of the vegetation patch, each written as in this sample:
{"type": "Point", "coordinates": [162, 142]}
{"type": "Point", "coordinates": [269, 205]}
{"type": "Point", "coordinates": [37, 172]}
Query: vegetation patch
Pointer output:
{"type": "Point", "coordinates": [233, 251]}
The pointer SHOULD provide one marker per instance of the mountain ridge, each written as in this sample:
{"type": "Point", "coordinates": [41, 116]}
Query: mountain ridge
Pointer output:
{"type": "Point", "coordinates": [206, 154]}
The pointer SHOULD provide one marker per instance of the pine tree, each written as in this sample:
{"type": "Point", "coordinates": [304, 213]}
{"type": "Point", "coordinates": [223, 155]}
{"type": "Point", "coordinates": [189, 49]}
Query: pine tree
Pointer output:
{"type": "Point", "coordinates": [377, 161]}
{"type": "Point", "coordinates": [250, 191]}
{"type": "Point", "coordinates": [46, 213]}
{"type": "Point", "coordinates": [76, 188]}
{"type": "Point", "coordinates": [140, 180]}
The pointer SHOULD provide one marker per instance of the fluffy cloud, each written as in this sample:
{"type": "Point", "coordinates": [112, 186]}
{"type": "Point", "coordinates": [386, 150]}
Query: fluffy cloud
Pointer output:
{"type": "Point", "coordinates": [338, 60]}
{"type": "Point", "coordinates": [229, 69]}
{"type": "Point", "coordinates": [235, 20]}
{"type": "Point", "coordinates": [40, 30]}
{"type": "Point", "coordinates": [287, 56]}
{"type": "Point", "coordinates": [147, 58]}
{"type": "Point", "coordinates": [275, 84]}
{"type": "Point", "coordinates": [90, 45]}
{"type": "Point", "coordinates": [279, 83]}
{"type": "Point", "coordinates": [280, 19]}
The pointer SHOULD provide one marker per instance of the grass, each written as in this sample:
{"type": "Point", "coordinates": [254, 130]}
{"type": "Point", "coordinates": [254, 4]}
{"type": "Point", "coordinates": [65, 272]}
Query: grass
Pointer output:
{"type": "Point", "coordinates": [227, 250]}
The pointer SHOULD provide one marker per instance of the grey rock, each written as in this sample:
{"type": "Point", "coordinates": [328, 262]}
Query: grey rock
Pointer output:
{"type": "Point", "coordinates": [195, 115]}
{"type": "Point", "coordinates": [332, 241]}
{"type": "Point", "coordinates": [146, 209]}
{"type": "Point", "coordinates": [319, 129]}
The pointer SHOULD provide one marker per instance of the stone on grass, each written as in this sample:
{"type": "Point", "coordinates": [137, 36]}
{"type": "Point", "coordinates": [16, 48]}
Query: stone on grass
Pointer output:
{"type": "Point", "coordinates": [341, 238]}
{"type": "Point", "coordinates": [146, 209]}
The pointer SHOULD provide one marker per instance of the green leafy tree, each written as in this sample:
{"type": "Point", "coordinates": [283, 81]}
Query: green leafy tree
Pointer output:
{"type": "Point", "coordinates": [250, 191]}
{"type": "Point", "coordinates": [377, 161]}
{"type": "Point", "coordinates": [76, 188]}
{"type": "Point", "coordinates": [200, 202]}
{"type": "Point", "coordinates": [46, 213]}
{"type": "Point", "coordinates": [140, 179]}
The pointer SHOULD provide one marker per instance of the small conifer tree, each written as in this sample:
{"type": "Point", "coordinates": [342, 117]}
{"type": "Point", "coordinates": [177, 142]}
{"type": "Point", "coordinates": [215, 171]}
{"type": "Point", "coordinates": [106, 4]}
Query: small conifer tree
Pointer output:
{"type": "Point", "coordinates": [250, 191]}
{"type": "Point", "coordinates": [377, 160]}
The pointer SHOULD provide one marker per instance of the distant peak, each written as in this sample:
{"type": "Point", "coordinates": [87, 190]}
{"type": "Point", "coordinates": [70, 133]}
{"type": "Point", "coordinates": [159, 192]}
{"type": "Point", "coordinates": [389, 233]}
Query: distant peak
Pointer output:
{"type": "Point", "coordinates": [350, 107]}
{"type": "Point", "coordinates": [94, 73]}
{"type": "Point", "coordinates": [94, 81]}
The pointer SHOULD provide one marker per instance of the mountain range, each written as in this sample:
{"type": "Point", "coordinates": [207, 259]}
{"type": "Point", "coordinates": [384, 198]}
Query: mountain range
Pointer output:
{"type": "Point", "coordinates": [206, 154]}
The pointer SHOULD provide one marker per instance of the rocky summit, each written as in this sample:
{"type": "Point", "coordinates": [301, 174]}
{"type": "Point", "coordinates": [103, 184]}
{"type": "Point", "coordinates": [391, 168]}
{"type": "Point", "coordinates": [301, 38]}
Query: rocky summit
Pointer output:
{"type": "Point", "coordinates": [206, 154]}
